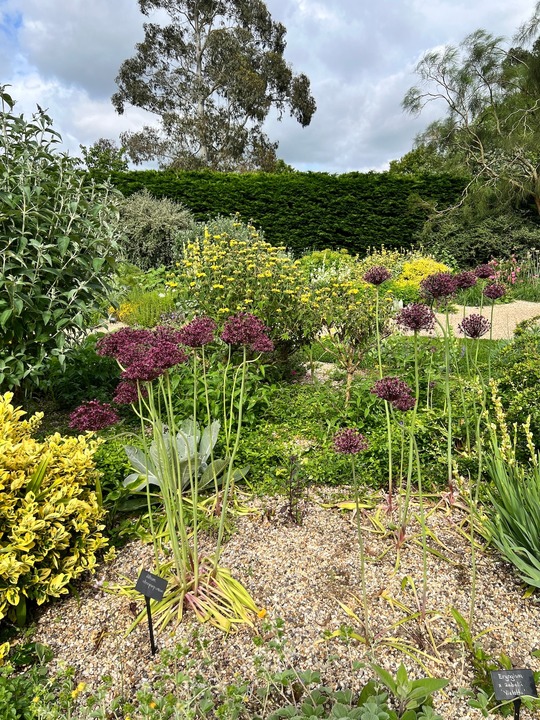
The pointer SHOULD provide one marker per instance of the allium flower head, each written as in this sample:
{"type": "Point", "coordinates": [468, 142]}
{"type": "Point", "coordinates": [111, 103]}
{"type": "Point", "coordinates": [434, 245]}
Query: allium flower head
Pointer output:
{"type": "Point", "coordinates": [439, 285]}
{"type": "Point", "coordinates": [349, 441]}
{"type": "Point", "coordinates": [93, 415]}
{"type": "Point", "coordinates": [114, 344]}
{"type": "Point", "coordinates": [494, 291]}
{"type": "Point", "coordinates": [127, 392]}
{"type": "Point", "coordinates": [404, 403]}
{"type": "Point", "coordinates": [466, 279]}
{"type": "Point", "coordinates": [390, 388]}
{"type": "Point", "coordinates": [377, 275]}
{"type": "Point", "coordinates": [416, 316]}
{"type": "Point", "coordinates": [484, 271]}
{"type": "Point", "coordinates": [200, 331]}
{"type": "Point", "coordinates": [474, 326]}
{"type": "Point", "coordinates": [246, 329]}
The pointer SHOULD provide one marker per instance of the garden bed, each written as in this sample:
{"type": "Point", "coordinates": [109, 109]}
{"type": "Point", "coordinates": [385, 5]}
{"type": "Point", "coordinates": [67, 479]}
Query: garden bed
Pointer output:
{"type": "Point", "coordinates": [299, 573]}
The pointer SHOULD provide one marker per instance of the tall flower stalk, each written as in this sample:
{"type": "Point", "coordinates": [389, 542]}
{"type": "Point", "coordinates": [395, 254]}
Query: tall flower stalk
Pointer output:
{"type": "Point", "coordinates": [377, 276]}
{"type": "Point", "coordinates": [146, 358]}
{"type": "Point", "coordinates": [350, 442]}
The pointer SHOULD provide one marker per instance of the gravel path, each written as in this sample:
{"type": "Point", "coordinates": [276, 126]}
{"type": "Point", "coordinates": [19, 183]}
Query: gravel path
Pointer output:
{"type": "Point", "coordinates": [505, 317]}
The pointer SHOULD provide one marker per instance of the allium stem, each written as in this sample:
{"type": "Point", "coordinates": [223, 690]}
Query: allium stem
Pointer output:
{"type": "Point", "coordinates": [365, 600]}
{"type": "Point", "coordinates": [386, 407]}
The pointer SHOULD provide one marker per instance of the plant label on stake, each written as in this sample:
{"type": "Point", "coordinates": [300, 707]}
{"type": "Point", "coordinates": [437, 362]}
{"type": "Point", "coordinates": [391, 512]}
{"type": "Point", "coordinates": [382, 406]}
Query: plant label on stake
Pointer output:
{"type": "Point", "coordinates": [512, 685]}
{"type": "Point", "coordinates": [152, 587]}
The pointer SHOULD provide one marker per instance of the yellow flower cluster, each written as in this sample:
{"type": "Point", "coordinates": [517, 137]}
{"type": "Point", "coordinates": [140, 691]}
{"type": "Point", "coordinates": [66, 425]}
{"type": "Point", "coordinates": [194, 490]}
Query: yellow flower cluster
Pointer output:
{"type": "Point", "coordinates": [224, 275]}
{"type": "Point", "coordinates": [418, 269]}
{"type": "Point", "coordinates": [51, 527]}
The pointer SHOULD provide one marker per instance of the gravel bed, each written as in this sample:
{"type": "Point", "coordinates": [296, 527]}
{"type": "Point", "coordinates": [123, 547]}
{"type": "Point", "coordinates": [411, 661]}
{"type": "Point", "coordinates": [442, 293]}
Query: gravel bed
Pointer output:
{"type": "Point", "coordinates": [300, 573]}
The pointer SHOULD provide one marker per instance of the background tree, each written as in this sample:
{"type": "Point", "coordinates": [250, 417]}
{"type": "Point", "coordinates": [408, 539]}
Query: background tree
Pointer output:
{"type": "Point", "coordinates": [492, 125]}
{"type": "Point", "coordinates": [212, 75]}
{"type": "Point", "coordinates": [104, 156]}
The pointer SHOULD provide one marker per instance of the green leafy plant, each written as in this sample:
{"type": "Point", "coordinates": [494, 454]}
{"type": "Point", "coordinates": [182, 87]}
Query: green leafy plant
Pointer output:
{"type": "Point", "coordinates": [150, 228]}
{"type": "Point", "coordinates": [57, 242]}
{"type": "Point", "coordinates": [409, 695]}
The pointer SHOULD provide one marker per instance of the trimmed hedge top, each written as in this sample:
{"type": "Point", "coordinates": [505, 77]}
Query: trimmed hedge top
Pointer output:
{"type": "Point", "coordinates": [307, 211]}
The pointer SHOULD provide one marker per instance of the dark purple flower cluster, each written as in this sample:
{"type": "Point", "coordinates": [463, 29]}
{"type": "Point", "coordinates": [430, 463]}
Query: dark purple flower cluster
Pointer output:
{"type": "Point", "coordinates": [394, 391]}
{"type": "Point", "coordinates": [484, 271]}
{"type": "Point", "coordinates": [144, 354]}
{"type": "Point", "coordinates": [200, 331]}
{"type": "Point", "coordinates": [377, 275]}
{"type": "Point", "coordinates": [349, 441]}
{"type": "Point", "coordinates": [494, 291]}
{"type": "Point", "coordinates": [465, 280]}
{"type": "Point", "coordinates": [93, 415]}
{"type": "Point", "coordinates": [127, 392]}
{"type": "Point", "coordinates": [246, 329]}
{"type": "Point", "coordinates": [439, 286]}
{"type": "Point", "coordinates": [415, 317]}
{"type": "Point", "coordinates": [474, 326]}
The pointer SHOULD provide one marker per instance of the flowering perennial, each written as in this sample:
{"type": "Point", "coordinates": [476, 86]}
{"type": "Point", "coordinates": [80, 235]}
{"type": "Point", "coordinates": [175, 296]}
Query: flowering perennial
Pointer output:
{"type": "Point", "coordinates": [377, 275]}
{"type": "Point", "coordinates": [93, 415]}
{"type": "Point", "coordinates": [415, 317]}
{"type": "Point", "coordinates": [200, 331]}
{"type": "Point", "coordinates": [439, 286]}
{"type": "Point", "coordinates": [474, 326]}
{"type": "Point", "coordinates": [247, 330]}
{"type": "Point", "coordinates": [349, 441]}
{"type": "Point", "coordinates": [394, 391]}
{"type": "Point", "coordinates": [465, 280]}
{"type": "Point", "coordinates": [484, 271]}
{"type": "Point", "coordinates": [494, 291]}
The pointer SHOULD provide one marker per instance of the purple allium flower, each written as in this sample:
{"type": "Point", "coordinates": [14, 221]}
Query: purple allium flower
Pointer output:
{"type": "Point", "coordinates": [416, 316]}
{"type": "Point", "coordinates": [494, 291]}
{"type": "Point", "coordinates": [474, 326]}
{"type": "Point", "coordinates": [262, 344]}
{"type": "Point", "coordinates": [93, 415]}
{"type": "Point", "coordinates": [404, 403]}
{"type": "Point", "coordinates": [200, 331]}
{"type": "Point", "coordinates": [484, 271]}
{"type": "Point", "coordinates": [466, 279]}
{"type": "Point", "coordinates": [349, 441]}
{"type": "Point", "coordinates": [377, 275]}
{"type": "Point", "coordinates": [390, 388]}
{"type": "Point", "coordinates": [439, 285]}
{"type": "Point", "coordinates": [245, 329]}
{"type": "Point", "coordinates": [113, 344]}
{"type": "Point", "coordinates": [127, 392]}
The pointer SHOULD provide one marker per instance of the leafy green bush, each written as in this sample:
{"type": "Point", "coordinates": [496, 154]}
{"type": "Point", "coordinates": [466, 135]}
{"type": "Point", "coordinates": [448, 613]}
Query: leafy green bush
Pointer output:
{"type": "Point", "coordinates": [473, 243]}
{"type": "Point", "coordinates": [52, 515]}
{"type": "Point", "coordinates": [145, 308]}
{"type": "Point", "coordinates": [150, 227]}
{"type": "Point", "coordinates": [57, 243]}
{"type": "Point", "coordinates": [85, 376]}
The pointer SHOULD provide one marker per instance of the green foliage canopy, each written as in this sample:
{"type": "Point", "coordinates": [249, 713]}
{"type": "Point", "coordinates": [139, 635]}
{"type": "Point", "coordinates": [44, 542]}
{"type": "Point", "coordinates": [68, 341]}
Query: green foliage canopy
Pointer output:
{"type": "Point", "coordinates": [57, 241]}
{"type": "Point", "coordinates": [212, 75]}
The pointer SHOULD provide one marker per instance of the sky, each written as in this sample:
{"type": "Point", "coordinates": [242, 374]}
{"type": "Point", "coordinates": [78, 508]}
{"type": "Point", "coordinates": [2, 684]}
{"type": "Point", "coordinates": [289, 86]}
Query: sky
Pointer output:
{"type": "Point", "coordinates": [360, 57]}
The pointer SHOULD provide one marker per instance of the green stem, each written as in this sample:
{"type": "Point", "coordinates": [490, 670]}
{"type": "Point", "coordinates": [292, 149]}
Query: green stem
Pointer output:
{"type": "Point", "coordinates": [365, 601]}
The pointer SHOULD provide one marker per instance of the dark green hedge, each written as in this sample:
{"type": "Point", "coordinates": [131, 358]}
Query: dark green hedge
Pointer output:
{"type": "Point", "coordinates": [306, 211]}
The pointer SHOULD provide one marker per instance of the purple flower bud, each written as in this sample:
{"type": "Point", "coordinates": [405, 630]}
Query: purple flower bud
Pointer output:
{"type": "Point", "coordinates": [246, 329]}
{"type": "Point", "coordinates": [200, 331]}
{"type": "Point", "coordinates": [474, 326]}
{"type": "Point", "coordinates": [377, 275]}
{"type": "Point", "coordinates": [349, 441]}
{"type": "Point", "coordinates": [465, 280]}
{"type": "Point", "coordinates": [416, 316]}
{"type": "Point", "coordinates": [439, 285]}
{"type": "Point", "coordinates": [484, 271]}
{"type": "Point", "coordinates": [390, 388]}
{"type": "Point", "coordinates": [93, 415]}
{"type": "Point", "coordinates": [127, 393]}
{"type": "Point", "coordinates": [494, 291]}
{"type": "Point", "coordinates": [404, 403]}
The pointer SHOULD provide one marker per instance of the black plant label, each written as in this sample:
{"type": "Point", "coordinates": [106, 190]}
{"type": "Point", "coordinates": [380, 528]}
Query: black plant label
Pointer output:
{"type": "Point", "coordinates": [150, 585]}
{"type": "Point", "coordinates": [513, 684]}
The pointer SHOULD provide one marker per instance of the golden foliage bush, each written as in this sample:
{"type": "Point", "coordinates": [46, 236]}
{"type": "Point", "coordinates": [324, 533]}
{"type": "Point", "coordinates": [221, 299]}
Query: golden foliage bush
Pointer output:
{"type": "Point", "coordinates": [51, 513]}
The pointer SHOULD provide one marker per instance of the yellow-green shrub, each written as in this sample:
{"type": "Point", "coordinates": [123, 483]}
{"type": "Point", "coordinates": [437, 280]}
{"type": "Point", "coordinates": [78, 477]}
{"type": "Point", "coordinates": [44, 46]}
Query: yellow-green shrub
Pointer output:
{"type": "Point", "coordinates": [221, 274]}
{"type": "Point", "coordinates": [50, 530]}
{"type": "Point", "coordinates": [145, 308]}
{"type": "Point", "coordinates": [407, 284]}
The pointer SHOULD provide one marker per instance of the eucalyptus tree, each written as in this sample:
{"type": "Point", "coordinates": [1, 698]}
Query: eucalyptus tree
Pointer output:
{"type": "Point", "coordinates": [212, 75]}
